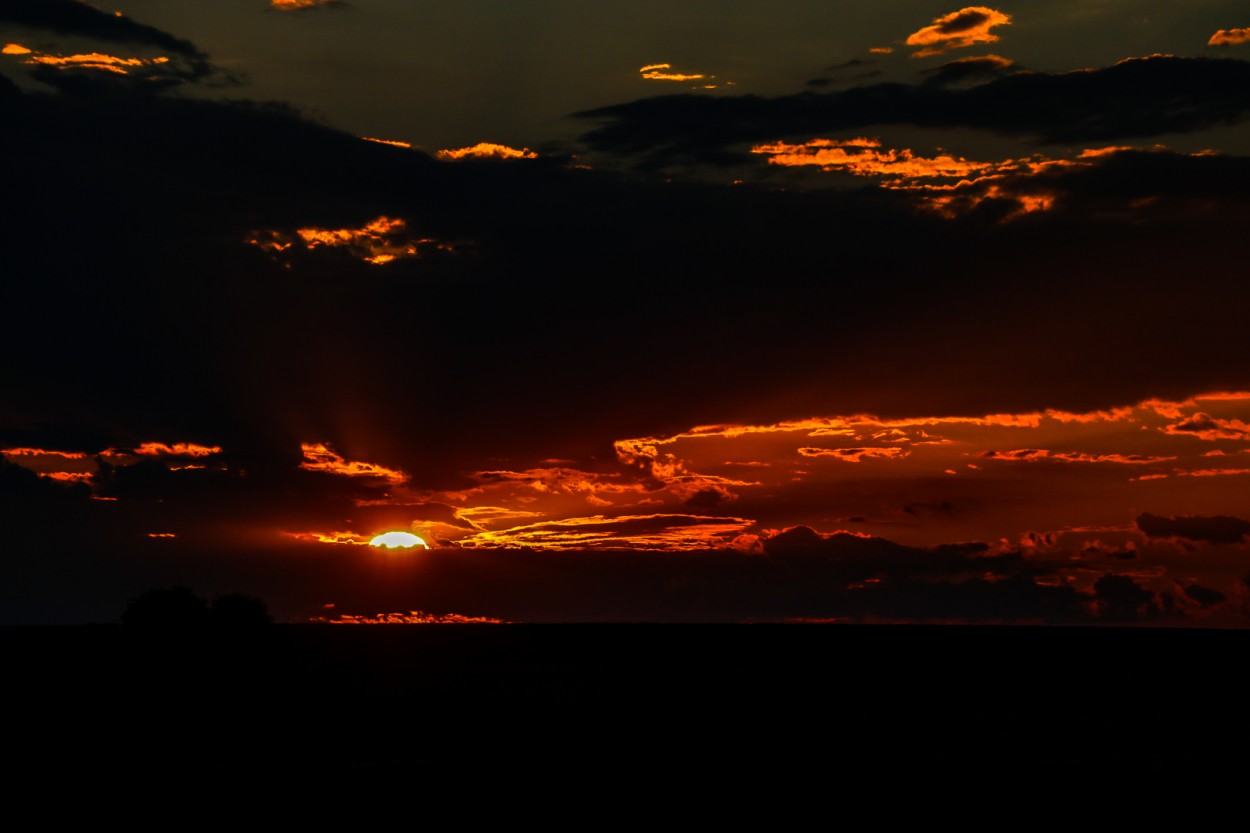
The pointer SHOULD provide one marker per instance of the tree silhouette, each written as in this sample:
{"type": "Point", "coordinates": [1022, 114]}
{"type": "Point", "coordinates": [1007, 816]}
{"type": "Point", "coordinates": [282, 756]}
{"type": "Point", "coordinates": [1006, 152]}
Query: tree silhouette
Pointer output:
{"type": "Point", "coordinates": [237, 610]}
{"type": "Point", "coordinates": [171, 608]}
{"type": "Point", "coordinates": [178, 608]}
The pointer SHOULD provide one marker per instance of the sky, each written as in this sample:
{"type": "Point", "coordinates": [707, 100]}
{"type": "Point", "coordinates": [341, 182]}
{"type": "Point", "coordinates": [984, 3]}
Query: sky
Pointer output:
{"type": "Point", "coordinates": [871, 312]}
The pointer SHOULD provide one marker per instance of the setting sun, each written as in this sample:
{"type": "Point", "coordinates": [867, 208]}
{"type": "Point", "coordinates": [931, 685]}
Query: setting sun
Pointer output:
{"type": "Point", "coordinates": [398, 540]}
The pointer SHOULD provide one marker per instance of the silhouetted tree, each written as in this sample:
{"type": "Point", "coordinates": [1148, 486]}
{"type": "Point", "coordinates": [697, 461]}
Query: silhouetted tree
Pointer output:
{"type": "Point", "coordinates": [173, 607]}
{"type": "Point", "coordinates": [237, 610]}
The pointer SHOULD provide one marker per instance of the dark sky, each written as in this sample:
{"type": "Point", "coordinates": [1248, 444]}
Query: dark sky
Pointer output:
{"type": "Point", "coordinates": [704, 311]}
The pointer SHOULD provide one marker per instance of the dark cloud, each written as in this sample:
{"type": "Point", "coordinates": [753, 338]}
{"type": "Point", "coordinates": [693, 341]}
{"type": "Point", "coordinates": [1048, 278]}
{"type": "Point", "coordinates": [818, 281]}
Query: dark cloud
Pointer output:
{"type": "Point", "coordinates": [1204, 596]}
{"type": "Point", "coordinates": [71, 17]}
{"type": "Point", "coordinates": [706, 499]}
{"type": "Point", "coordinates": [306, 5]}
{"type": "Point", "coordinates": [151, 78]}
{"type": "Point", "coordinates": [963, 20]}
{"type": "Point", "coordinates": [845, 557]}
{"type": "Point", "coordinates": [95, 72]}
{"type": "Point", "coordinates": [9, 92]}
{"type": "Point", "coordinates": [1215, 529]}
{"type": "Point", "coordinates": [982, 68]}
{"type": "Point", "coordinates": [1120, 597]}
{"type": "Point", "coordinates": [1134, 98]}
{"type": "Point", "coordinates": [943, 507]}
{"type": "Point", "coordinates": [210, 356]}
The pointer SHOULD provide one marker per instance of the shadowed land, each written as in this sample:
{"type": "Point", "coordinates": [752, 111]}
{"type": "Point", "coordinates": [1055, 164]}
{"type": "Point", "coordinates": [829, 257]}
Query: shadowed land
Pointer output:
{"type": "Point", "coordinates": [854, 703]}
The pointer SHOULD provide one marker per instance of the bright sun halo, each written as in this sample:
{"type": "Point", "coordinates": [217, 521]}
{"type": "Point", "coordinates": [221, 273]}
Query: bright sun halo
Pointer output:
{"type": "Point", "coordinates": [398, 540]}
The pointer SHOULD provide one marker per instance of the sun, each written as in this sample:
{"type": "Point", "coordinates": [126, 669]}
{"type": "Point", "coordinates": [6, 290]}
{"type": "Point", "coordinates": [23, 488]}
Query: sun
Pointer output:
{"type": "Point", "coordinates": [398, 540]}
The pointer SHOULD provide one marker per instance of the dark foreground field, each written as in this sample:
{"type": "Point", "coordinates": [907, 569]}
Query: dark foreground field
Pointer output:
{"type": "Point", "coordinates": [785, 705]}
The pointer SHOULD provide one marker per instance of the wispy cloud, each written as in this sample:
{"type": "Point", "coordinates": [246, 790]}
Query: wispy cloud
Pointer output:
{"type": "Point", "coordinates": [322, 458]}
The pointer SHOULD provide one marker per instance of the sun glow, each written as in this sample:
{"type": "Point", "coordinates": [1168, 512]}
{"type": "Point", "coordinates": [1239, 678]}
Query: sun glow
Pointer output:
{"type": "Point", "coordinates": [398, 540]}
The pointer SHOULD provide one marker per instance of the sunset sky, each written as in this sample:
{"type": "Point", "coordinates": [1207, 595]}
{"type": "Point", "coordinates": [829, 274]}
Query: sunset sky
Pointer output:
{"type": "Point", "coordinates": [705, 311]}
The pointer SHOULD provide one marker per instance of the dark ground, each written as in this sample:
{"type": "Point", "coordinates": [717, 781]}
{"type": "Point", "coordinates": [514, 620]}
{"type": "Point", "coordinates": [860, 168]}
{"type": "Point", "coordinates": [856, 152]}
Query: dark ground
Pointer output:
{"type": "Point", "coordinates": [792, 707]}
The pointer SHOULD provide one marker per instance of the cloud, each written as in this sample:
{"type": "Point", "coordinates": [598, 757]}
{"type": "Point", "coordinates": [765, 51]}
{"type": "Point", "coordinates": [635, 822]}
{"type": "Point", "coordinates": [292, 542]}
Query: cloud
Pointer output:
{"type": "Point", "coordinates": [1121, 598]}
{"type": "Point", "coordinates": [304, 5]}
{"type": "Point", "coordinates": [864, 157]}
{"type": "Point", "coordinates": [411, 617]}
{"type": "Point", "coordinates": [1204, 596]}
{"type": "Point", "coordinates": [967, 27]}
{"type": "Point", "coordinates": [1138, 97]}
{"type": "Point", "coordinates": [855, 455]}
{"type": "Point", "coordinates": [322, 458]}
{"type": "Point", "coordinates": [1229, 37]}
{"type": "Point", "coordinates": [176, 450]}
{"type": "Point", "coordinates": [90, 73]}
{"type": "Point", "coordinates": [487, 150]}
{"type": "Point", "coordinates": [99, 71]}
{"type": "Point", "coordinates": [378, 242]}
{"type": "Point", "coordinates": [663, 72]}
{"type": "Point", "coordinates": [1033, 455]}
{"type": "Point", "coordinates": [391, 142]}
{"type": "Point", "coordinates": [70, 17]}
{"type": "Point", "coordinates": [660, 532]}
{"type": "Point", "coordinates": [1216, 529]}
{"type": "Point", "coordinates": [984, 67]}
{"type": "Point", "coordinates": [1205, 427]}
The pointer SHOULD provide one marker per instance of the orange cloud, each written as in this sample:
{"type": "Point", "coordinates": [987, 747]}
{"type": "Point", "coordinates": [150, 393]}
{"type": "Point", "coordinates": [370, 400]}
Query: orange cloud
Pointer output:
{"type": "Point", "coordinates": [1205, 427]}
{"type": "Point", "coordinates": [176, 450]}
{"type": "Point", "coordinates": [863, 157]}
{"type": "Point", "coordinates": [40, 452]}
{"type": "Point", "coordinates": [332, 538]}
{"type": "Point", "coordinates": [660, 532]}
{"type": "Point", "coordinates": [412, 617]}
{"type": "Point", "coordinates": [379, 241]}
{"type": "Point", "coordinates": [1212, 472]}
{"type": "Point", "coordinates": [487, 150]}
{"type": "Point", "coordinates": [1229, 37]}
{"type": "Point", "coordinates": [100, 61]}
{"type": "Point", "coordinates": [1069, 453]}
{"type": "Point", "coordinates": [301, 5]}
{"type": "Point", "coordinates": [320, 457]}
{"type": "Point", "coordinates": [558, 479]}
{"type": "Point", "coordinates": [855, 455]}
{"type": "Point", "coordinates": [91, 60]}
{"type": "Point", "coordinates": [62, 466]}
{"type": "Point", "coordinates": [660, 72]}
{"type": "Point", "coordinates": [670, 490]}
{"type": "Point", "coordinates": [967, 27]}
{"type": "Point", "coordinates": [70, 476]}
{"type": "Point", "coordinates": [1032, 455]}
{"type": "Point", "coordinates": [946, 184]}
{"type": "Point", "coordinates": [881, 50]}
{"type": "Point", "coordinates": [391, 142]}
